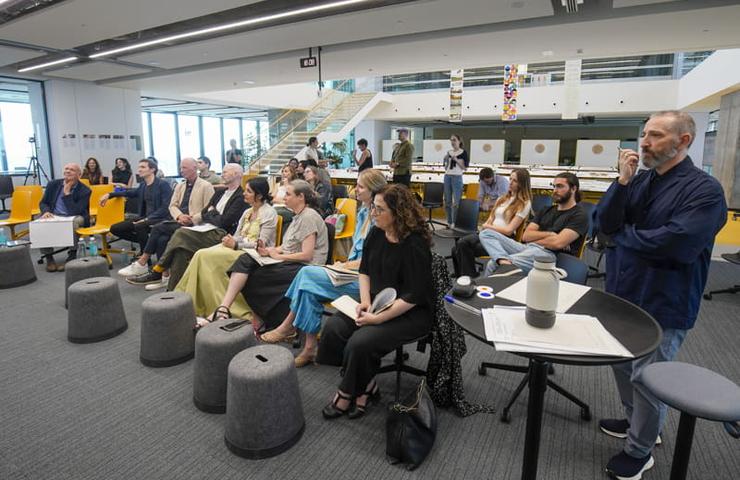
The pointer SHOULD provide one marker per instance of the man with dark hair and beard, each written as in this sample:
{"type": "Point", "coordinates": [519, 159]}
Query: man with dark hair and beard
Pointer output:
{"type": "Point", "coordinates": [663, 221]}
{"type": "Point", "coordinates": [559, 228]}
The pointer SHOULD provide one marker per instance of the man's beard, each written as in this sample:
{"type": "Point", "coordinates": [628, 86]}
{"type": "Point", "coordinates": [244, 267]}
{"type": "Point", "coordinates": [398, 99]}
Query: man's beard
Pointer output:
{"type": "Point", "coordinates": [564, 198]}
{"type": "Point", "coordinates": [657, 159]}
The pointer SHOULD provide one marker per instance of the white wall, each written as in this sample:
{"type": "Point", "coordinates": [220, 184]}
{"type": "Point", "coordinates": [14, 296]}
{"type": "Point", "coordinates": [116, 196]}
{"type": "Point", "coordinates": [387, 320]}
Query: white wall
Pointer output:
{"type": "Point", "coordinates": [84, 108]}
{"type": "Point", "coordinates": [718, 75]}
{"type": "Point", "coordinates": [609, 98]}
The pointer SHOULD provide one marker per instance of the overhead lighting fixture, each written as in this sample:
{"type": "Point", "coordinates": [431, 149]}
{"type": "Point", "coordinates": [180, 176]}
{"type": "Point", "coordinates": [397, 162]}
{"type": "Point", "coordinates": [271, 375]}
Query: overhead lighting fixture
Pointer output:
{"type": "Point", "coordinates": [230, 26]}
{"type": "Point", "coordinates": [248, 82]}
{"type": "Point", "coordinates": [47, 64]}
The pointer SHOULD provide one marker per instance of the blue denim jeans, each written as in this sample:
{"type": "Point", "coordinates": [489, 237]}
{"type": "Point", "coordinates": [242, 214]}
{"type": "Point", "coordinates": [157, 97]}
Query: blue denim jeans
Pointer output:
{"type": "Point", "coordinates": [499, 246]}
{"type": "Point", "coordinates": [645, 413]}
{"type": "Point", "coordinates": [453, 186]}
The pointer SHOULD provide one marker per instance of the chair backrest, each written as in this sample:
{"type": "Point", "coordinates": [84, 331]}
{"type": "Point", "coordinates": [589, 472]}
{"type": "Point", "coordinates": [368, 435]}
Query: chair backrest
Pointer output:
{"type": "Point", "coordinates": [348, 207]}
{"type": "Point", "coordinates": [576, 268]}
{"type": "Point", "coordinates": [22, 204]}
{"type": "Point", "coordinates": [330, 230]}
{"type": "Point", "coordinates": [590, 209]}
{"type": "Point", "coordinates": [433, 192]}
{"type": "Point", "coordinates": [339, 191]}
{"type": "Point", "coordinates": [98, 191]}
{"type": "Point", "coordinates": [279, 231]}
{"type": "Point", "coordinates": [85, 181]}
{"type": "Point", "coordinates": [113, 212]}
{"type": "Point", "coordinates": [520, 231]}
{"type": "Point", "coordinates": [37, 192]}
{"type": "Point", "coordinates": [540, 202]}
{"type": "Point", "coordinates": [6, 185]}
{"type": "Point", "coordinates": [467, 215]}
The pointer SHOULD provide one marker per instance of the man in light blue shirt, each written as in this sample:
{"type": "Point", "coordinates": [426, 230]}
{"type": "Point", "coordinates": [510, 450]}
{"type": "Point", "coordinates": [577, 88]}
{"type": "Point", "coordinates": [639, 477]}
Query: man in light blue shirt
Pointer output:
{"type": "Point", "coordinates": [491, 187]}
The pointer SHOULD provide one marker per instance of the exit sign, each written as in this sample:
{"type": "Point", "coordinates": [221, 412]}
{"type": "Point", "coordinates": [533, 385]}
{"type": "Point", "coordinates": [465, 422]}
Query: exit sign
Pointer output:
{"type": "Point", "coordinates": [308, 62]}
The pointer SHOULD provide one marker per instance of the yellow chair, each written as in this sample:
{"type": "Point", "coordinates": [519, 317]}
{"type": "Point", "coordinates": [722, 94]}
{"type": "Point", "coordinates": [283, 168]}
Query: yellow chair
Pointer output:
{"type": "Point", "coordinates": [110, 214]}
{"type": "Point", "coordinates": [85, 181]}
{"type": "Point", "coordinates": [20, 213]}
{"type": "Point", "coordinates": [37, 192]}
{"type": "Point", "coordinates": [97, 192]}
{"type": "Point", "coordinates": [279, 231]}
{"type": "Point", "coordinates": [247, 177]}
{"type": "Point", "coordinates": [348, 207]}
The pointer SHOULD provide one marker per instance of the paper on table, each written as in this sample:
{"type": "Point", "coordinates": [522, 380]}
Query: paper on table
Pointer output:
{"type": "Point", "coordinates": [571, 334]}
{"type": "Point", "coordinates": [568, 294]}
{"type": "Point", "coordinates": [55, 218]}
{"type": "Point", "coordinates": [206, 227]}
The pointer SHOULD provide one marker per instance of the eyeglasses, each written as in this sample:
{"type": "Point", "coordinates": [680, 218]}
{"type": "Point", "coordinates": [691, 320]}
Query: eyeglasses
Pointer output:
{"type": "Point", "coordinates": [376, 209]}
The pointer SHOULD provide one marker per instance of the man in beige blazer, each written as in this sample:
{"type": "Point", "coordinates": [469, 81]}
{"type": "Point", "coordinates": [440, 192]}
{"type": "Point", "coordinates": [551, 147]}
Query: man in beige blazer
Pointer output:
{"type": "Point", "coordinates": [190, 197]}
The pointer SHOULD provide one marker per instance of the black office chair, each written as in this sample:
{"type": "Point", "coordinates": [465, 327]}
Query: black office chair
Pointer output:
{"type": "Point", "coordinates": [732, 258]}
{"type": "Point", "coordinates": [466, 221]}
{"type": "Point", "coordinates": [339, 191]}
{"type": "Point", "coordinates": [433, 198]}
{"type": "Point", "coordinates": [6, 190]}
{"type": "Point", "coordinates": [577, 273]}
{"type": "Point", "coordinates": [540, 202]}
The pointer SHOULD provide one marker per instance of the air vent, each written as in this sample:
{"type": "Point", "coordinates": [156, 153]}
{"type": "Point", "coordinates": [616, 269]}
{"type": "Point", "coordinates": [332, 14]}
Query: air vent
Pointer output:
{"type": "Point", "coordinates": [571, 6]}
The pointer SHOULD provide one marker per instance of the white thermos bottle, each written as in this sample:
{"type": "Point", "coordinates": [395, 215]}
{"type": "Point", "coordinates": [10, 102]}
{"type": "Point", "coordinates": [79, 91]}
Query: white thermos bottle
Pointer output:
{"type": "Point", "coordinates": [543, 284]}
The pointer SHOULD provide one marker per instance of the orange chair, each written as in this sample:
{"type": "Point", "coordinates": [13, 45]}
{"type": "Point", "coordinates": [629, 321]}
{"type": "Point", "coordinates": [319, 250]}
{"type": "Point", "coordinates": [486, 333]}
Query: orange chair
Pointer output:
{"type": "Point", "coordinates": [279, 231]}
{"type": "Point", "coordinates": [37, 192]}
{"type": "Point", "coordinates": [97, 192]}
{"type": "Point", "coordinates": [110, 214]}
{"type": "Point", "coordinates": [348, 207]}
{"type": "Point", "coordinates": [20, 213]}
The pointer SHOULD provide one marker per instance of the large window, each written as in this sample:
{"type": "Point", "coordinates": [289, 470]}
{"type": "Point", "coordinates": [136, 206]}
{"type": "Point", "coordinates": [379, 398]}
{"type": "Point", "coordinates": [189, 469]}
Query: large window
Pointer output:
{"type": "Point", "coordinates": [212, 146]}
{"type": "Point", "coordinates": [250, 139]}
{"type": "Point", "coordinates": [16, 128]}
{"type": "Point", "coordinates": [265, 135]}
{"type": "Point", "coordinates": [231, 132]}
{"type": "Point", "coordinates": [189, 136]}
{"type": "Point", "coordinates": [164, 142]}
{"type": "Point", "coordinates": [145, 130]}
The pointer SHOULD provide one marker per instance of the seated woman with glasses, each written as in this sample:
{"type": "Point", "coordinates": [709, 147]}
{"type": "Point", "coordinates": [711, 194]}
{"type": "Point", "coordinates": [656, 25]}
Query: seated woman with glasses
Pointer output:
{"type": "Point", "coordinates": [397, 254]}
{"type": "Point", "coordinates": [204, 278]}
{"type": "Point", "coordinates": [305, 241]}
{"type": "Point", "coordinates": [312, 285]}
{"type": "Point", "coordinates": [507, 215]}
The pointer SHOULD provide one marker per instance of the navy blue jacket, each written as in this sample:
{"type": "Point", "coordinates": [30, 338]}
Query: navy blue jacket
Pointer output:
{"type": "Point", "coordinates": [664, 228]}
{"type": "Point", "coordinates": [77, 202]}
{"type": "Point", "coordinates": [162, 194]}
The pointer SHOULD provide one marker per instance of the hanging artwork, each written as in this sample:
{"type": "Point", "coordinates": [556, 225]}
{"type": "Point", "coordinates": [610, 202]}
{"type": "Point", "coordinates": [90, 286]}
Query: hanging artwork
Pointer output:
{"type": "Point", "coordinates": [456, 93]}
{"type": "Point", "coordinates": [511, 87]}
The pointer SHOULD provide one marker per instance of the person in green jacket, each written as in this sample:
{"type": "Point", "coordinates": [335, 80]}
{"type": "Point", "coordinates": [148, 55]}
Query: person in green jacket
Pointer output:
{"type": "Point", "coordinates": [401, 159]}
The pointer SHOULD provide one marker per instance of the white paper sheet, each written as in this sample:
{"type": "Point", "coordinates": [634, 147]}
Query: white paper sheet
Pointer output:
{"type": "Point", "coordinates": [568, 294]}
{"type": "Point", "coordinates": [206, 227]}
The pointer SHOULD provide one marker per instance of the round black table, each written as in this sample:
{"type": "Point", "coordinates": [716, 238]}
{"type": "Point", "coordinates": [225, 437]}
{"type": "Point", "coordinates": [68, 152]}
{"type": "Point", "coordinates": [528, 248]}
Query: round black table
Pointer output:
{"type": "Point", "coordinates": [628, 323]}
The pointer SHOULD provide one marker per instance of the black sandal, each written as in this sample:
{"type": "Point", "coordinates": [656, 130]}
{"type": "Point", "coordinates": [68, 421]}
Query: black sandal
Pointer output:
{"type": "Point", "coordinates": [373, 395]}
{"type": "Point", "coordinates": [331, 411]}
{"type": "Point", "coordinates": [222, 309]}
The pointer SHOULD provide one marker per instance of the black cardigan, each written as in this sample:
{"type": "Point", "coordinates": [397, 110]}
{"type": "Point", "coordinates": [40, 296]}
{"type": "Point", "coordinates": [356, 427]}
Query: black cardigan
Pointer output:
{"type": "Point", "coordinates": [233, 211]}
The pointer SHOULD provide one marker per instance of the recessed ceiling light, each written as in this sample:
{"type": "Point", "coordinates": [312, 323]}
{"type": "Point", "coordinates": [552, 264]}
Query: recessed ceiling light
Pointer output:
{"type": "Point", "coordinates": [230, 26]}
{"type": "Point", "coordinates": [548, 53]}
{"type": "Point", "coordinates": [47, 64]}
{"type": "Point", "coordinates": [154, 64]}
{"type": "Point", "coordinates": [517, 4]}
{"type": "Point", "coordinates": [248, 82]}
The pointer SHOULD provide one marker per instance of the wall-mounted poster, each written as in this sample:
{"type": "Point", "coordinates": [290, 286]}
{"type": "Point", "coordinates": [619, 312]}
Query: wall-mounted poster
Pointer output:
{"type": "Point", "coordinates": [597, 153]}
{"type": "Point", "coordinates": [435, 150]}
{"type": "Point", "coordinates": [540, 152]}
{"type": "Point", "coordinates": [388, 149]}
{"type": "Point", "coordinates": [456, 94]}
{"type": "Point", "coordinates": [88, 141]}
{"type": "Point", "coordinates": [487, 151]}
{"type": "Point", "coordinates": [511, 88]}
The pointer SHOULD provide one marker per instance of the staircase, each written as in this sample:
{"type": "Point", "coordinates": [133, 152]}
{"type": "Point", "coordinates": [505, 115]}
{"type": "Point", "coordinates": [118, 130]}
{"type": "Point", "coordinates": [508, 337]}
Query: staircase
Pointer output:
{"type": "Point", "coordinates": [330, 119]}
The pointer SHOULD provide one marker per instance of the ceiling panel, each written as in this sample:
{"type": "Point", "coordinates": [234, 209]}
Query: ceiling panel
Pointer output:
{"type": "Point", "coordinates": [79, 22]}
{"type": "Point", "coordinates": [388, 21]}
{"type": "Point", "coordinates": [95, 71]}
{"type": "Point", "coordinates": [636, 3]}
{"type": "Point", "coordinates": [9, 55]}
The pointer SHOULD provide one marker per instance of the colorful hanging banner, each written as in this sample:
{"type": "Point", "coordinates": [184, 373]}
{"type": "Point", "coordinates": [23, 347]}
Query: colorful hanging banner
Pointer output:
{"type": "Point", "coordinates": [456, 94]}
{"type": "Point", "coordinates": [511, 87]}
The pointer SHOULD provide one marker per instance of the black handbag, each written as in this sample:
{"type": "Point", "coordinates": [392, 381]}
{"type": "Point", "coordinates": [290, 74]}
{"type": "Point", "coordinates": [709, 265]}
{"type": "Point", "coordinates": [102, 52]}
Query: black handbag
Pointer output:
{"type": "Point", "coordinates": [410, 429]}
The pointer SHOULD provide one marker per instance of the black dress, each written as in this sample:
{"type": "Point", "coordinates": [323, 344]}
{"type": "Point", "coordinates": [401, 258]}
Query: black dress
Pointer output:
{"type": "Point", "coordinates": [405, 266]}
{"type": "Point", "coordinates": [120, 176]}
{"type": "Point", "coordinates": [368, 163]}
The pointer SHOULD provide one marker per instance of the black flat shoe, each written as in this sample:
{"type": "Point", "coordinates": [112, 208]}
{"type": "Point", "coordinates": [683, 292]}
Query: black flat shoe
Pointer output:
{"type": "Point", "coordinates": [373, 395]}
{"type": "Point", "coordinates": [332, 411]}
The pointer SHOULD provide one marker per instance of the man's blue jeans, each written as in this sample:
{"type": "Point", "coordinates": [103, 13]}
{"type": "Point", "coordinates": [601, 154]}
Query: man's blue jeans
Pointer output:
{"type": "Point", "coordinates": [453, 186]}
{"type": "Point", "coordinates": [644, 412]}
{"type": "Point", "coordinates": [500, 246]}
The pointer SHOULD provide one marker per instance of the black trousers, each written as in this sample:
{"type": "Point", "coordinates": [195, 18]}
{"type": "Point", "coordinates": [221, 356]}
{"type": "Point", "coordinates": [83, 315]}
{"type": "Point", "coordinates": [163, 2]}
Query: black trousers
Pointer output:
{"type": "Point", "coordinates": [464, 254]}
{"type": "Point", "coordinates": [402, 179]}
{"type": "Point", "coordinates": [133, 232]}
{"type": "Point", "coordinates": [159, 236]}
{"type": "Point", "coordinates": [358, 350]}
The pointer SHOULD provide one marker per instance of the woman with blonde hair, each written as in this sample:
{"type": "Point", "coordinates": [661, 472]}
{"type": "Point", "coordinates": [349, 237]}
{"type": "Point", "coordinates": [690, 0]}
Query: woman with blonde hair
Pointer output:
{"type": "Point", "coordinates": [312, 286]}
{"type": "Point", "coordinates": [507, 215]}
{"type": "Point", "coordinates": [287, 175]}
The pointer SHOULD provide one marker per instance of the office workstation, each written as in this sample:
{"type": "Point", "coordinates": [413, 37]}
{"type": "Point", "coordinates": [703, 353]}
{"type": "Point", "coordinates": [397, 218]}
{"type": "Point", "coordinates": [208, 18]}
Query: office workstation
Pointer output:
{"type": "Point", "coordinates": [335, 239]}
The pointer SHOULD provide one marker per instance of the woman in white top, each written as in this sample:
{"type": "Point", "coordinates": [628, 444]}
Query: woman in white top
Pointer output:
{"type": "Point", "coordinates": [287, 175]}
{"type": "Point", "coordinates": [456, 161]}
{"type": "Point", "coordinates": [508, 213]}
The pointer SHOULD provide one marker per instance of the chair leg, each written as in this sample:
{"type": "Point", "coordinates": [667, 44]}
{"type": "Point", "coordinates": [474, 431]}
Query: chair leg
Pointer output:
{"type": "Point", "coordinates": [682, 452]}
{"type": "Point", "coordinates": [399, 369]}
{"type": "Point", "coordinates": [585, 409]}
{"type": "Point", "coordinates": [735, 289]}
{"type": "Point", "coordinates": [506, 412]}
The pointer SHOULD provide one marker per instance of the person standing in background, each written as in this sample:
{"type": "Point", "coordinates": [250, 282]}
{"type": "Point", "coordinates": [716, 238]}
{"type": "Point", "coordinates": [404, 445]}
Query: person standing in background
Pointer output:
{"type": "Point", "coordinates": [403, 153]}
{"type": "Point", "coordinates": [233, 155]}
{"type": "Point", "coordinates": [310, 151]}
{"type": "Point", "coordinates": [455, 162]}
{"type": "Point", "coordinates": [362, 155]}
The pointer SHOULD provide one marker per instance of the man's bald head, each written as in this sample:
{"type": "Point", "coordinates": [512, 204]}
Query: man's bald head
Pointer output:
{"type": "Point", "coordinates": [189, 169]}
{"type": "Point", "coordinates": [232, 174]}
{"type": "Point", "coordinates": [72, 172]}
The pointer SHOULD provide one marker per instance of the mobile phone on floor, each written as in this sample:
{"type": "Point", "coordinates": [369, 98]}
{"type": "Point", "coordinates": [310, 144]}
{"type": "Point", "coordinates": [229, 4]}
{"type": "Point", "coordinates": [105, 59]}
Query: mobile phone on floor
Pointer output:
{"type": "Point", "coordinates": [230, 327]}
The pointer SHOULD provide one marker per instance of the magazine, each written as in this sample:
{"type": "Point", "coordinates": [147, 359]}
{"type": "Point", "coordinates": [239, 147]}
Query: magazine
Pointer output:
{"type": "Point", "coordinates": [341, 276]}
{"type": "Point", "coordinates": [348, 305]}
{"type": "Point", "coordinates": [260, 259]}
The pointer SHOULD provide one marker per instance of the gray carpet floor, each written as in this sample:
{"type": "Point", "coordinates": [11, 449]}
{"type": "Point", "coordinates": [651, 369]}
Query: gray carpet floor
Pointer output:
{"type": "Point", "coordinates": [71, 411]}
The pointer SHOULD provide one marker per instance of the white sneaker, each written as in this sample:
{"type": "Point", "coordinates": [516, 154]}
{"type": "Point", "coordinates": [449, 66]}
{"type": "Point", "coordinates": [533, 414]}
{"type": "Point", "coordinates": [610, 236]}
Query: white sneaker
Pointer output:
{"type": "Point", "coordinates": [133, 270]}
{"type": "Point", "coordinates": [156, 286]}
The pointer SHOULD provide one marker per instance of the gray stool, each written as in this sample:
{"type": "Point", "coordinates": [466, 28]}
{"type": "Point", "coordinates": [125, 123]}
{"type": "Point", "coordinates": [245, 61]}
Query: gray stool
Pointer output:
{"type": "Point", "coordinates": [697, 393]}
{"type": "Point", "coordinates": [264, 413]}
{"type": "Point", "coordinates": [167, 336]}
{"type": "Point", "coordinates": [17, 268]}
{"type": "Point", "coordinates": [214, 349]}
{"type": "Point", "coordinates": [95, 310]}
{"type": "Point", "coordinates": [81, 269]}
